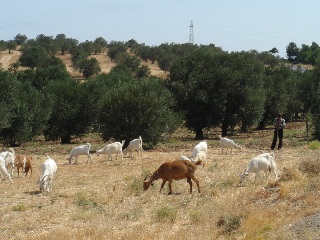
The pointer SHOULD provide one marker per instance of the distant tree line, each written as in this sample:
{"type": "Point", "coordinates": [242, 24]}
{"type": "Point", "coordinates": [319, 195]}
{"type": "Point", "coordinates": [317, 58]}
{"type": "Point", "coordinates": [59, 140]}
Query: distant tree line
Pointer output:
{"type": "Point", "coordinates": [206, 87]}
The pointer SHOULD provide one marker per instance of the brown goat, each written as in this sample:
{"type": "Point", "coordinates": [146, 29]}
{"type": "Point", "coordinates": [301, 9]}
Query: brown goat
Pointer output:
{"type": "Point", "coordinates": [24, 162]}
{"type": "Point", "coordinates": [175, 170]}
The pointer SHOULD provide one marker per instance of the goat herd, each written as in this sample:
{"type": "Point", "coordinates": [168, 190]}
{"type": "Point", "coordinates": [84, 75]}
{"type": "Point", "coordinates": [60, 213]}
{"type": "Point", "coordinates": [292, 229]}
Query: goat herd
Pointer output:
{"type": "Point", "coordinates": [180, 169]}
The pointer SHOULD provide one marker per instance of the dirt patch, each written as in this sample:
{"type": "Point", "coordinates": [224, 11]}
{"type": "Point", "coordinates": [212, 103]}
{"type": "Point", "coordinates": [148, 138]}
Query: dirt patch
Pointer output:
{"type": "Point", "coordinates": [105, 63]}
{"type": "Point", "coordinates": [6, 58]}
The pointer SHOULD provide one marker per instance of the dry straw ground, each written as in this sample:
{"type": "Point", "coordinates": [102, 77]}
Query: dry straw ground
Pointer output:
{"type": "Point", "coordinates": [105, 200]}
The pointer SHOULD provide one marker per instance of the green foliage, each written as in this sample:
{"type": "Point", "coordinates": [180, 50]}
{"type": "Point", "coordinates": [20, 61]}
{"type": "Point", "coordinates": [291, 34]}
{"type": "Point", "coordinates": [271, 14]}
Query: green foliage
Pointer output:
{"type": "Point", "coordinates": [116, 48]}
{"type": "Point", "coordinates": [33, 56]}
{"type": "Point", "coordinates": [24, 111]}
{"type": "Point", "coordinates": [314, 145]}
{"type": "Point", "coordinates": [71, 113]}
{"type": "Point", "coordinates": [292, 52]}
{"type": "Point", "coordinates": [3, 46]}
{"type": "Point", "coordinates": [20, 39]}
{"type": "Point", "coordinates": [89, 67]}
{"type": "Point", "coordinates": [136, 108]}
{"type": "Point", "coordinates": [217, 88]}
{"type": "Point", "coordinates": [12, 45]}
{"type": "Point", "coordinates": [281, 93]}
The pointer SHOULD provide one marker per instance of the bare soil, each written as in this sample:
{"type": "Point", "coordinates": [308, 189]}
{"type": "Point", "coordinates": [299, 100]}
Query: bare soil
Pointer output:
{"type": "Point", "coordinates": [105, 63]}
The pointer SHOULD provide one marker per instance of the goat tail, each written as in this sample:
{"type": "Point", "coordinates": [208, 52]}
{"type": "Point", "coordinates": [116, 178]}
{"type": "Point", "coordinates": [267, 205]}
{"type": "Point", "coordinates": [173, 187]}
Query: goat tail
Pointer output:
{"type": "Point", "coordinates": [89, 145]}
{"type": "Point", "coordinates": [199, 162]}
{"type": "Point", "coordinates": [269, 168]}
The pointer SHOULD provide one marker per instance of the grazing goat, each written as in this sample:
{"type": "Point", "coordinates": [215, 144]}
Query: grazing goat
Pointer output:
{"type": "Point", "coordinates": [200, 156]}
{"type": "Point", "coordinates": [25, 163]}
{"type": "Point", "coordinates": [134, 145]}
{"type": "Point", "coordinates": [81, 150]}
{"type": "Point", "coordinates": [3, 169]}
{"type": "Point", "coordinates": [48, 170]}
{"type": "Point", "coordinates": [175, 170]}
{"type": "Point", "coordinates": [200, 147]}
{"type": "Point", "coordinates": [199, 152]}
{"type": "Point", "coordinates": [185, 158]}
{"type": "Point", "coordinates": [264, 162]}
{"type": "Point", "coordinates": [10, 160]}
{"type": "Point", "coordinates": [115, 147]}
{"type": "Point", "coordinates": [228, 143]}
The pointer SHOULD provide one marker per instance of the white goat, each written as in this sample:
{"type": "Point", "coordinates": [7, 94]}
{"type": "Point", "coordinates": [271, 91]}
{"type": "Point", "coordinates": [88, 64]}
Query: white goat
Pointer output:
{"type": "Point", "coordinates": [201, 156]}
{"type": "Point", "coordinates": [115, 147]}
{"type": "Point", "coordinates": [80, 150]}
{"type": "Point", "coordinates": [228, 143]}
{"type": "Point", "coordinates": [3, 169]}
{"type": "Point", "coordinates": [264, 162]}
{"type": "Point", "coordinates": [9, 163]}
{"type": "Point", "coordinates": [134, 145]}
{"type": "Point", "coordinates": [200, 147]}
{"type": "Point", "coordinates": [199, 153]}
{"type": "Point", "coordinates": [182, 157]}
{"type": "Point", "coordinates": [48, 170]}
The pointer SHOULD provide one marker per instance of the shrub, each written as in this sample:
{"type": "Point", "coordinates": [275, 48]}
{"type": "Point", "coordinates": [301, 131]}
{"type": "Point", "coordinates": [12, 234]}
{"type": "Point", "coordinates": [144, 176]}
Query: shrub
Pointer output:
{"type": "Point", "coordinates": [314, 145]}
{"type": "Point", "coordinates": [166, 213]}
{"type": "Point", "coordinates": [229, 224]}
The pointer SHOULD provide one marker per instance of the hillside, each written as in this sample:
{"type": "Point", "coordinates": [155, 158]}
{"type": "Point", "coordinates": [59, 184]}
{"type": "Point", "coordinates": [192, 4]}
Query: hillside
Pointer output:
{"type": "Point", "coordinates": [104, 61]}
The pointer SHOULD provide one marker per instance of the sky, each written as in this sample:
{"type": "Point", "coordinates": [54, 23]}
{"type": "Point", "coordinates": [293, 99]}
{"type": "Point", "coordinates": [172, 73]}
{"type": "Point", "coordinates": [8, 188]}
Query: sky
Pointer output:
{"type": "Point", "coordinates": [233, 25]}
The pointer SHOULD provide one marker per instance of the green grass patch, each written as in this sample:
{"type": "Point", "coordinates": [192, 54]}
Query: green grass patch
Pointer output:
{"type": "Point", "coordinates": [166, 214]}
{"type": "Point", "coordinates": [19, 208]}
{"type": "Point", "coordinates": [314, 145]}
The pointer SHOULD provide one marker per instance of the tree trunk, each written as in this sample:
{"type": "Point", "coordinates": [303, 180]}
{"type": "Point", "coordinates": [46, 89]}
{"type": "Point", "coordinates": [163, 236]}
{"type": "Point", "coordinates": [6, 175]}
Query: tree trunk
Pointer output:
{"type": "Point", "coordinates": [224, 129]}
{"type": "Point", "coordinates": [199, 134]}
{"type": "Point", "coordinates": [65, 139]}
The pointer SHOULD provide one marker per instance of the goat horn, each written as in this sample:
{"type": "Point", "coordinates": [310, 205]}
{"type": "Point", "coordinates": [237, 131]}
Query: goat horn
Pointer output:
{"type": "Point", "coordinates": [44, 177]}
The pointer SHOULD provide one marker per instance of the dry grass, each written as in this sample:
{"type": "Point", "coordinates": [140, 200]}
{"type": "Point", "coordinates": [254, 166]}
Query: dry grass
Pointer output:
{"type": "Point", "coordinates": [105, 200]}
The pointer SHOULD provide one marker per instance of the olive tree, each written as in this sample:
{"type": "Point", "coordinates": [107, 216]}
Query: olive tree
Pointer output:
{"type": "Point", "coordinates": [25, 110]}
{"type": "Point", "coordinates": [137, 108]}
{"type": "Point", "coordinates": [71, 111]}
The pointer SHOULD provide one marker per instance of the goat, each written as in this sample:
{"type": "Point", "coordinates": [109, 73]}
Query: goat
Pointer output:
{"type": "Point", "coordinates": [175, 170]}
{"type": "Point", "coordinates": [200, 156]}
{"type": "Point", "coordinates": [182, 157]}
{"type": "Point", "coordinates": [115, 147]}
{"type": "Point", "coordinates": [264, 162]}
{"type": "Point", "coordinates": [3, 169]}
{"type": "Point", "coordinates": [228, 143]}
{"type": "Point", "coordinates": [48, 170]}
{"type": "Point", "coordinates": [135, 144]}
{"type": "Point", "coordinates": [25, 163]}
{"type": "Point", "coordinates": [200, 147]}
{"type": "Point", "coordinates": [80, 150]}
{"type": "Point", "coordinates": [199, 152]}
{"type": "Point", "coordinates": [10, 160]}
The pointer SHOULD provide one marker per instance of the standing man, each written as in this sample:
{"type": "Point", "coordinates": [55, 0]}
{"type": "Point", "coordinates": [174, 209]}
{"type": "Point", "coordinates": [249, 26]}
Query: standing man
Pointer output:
{"type": "Point", "coordinates": [279, 123]}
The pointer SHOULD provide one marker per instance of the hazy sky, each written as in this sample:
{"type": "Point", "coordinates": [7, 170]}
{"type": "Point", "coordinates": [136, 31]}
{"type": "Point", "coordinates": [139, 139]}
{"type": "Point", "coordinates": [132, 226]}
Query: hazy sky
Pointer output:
{"type": "Point", "coordinates": [233, 25]}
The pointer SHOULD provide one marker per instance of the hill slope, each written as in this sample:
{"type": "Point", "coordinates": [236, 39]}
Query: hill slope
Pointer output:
{"type": "Point", "coordinates": [6, 59]}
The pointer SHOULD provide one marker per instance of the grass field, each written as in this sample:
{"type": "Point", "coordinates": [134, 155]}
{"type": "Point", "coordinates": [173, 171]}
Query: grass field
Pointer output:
{"type": "Point", "coordinates": [105, 199]}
